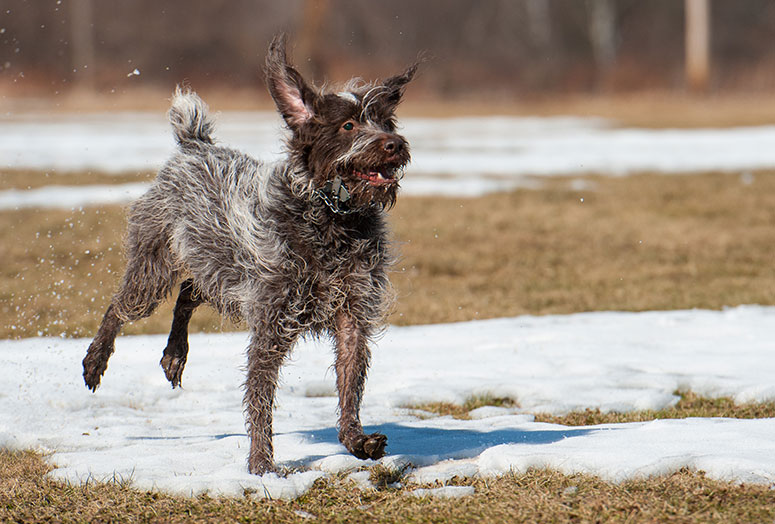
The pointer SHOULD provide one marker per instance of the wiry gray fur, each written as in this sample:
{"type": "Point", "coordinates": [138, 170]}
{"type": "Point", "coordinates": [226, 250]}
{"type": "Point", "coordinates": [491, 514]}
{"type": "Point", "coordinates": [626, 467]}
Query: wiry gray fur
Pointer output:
{"type": "Point", "coordinates": [257, 242]}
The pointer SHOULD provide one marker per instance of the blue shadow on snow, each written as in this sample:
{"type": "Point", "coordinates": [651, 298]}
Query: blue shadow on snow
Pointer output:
{"type": "Point", "coordinates": [450, 443]}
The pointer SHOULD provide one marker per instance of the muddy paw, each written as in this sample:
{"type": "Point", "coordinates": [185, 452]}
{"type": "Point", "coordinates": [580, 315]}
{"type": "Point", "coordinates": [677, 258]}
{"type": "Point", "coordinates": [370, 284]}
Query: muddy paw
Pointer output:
{"type": "Point", "coordinates": [369, 446]}
{"type": "Point", "coordinates": [92, 379]}
{"type": "Point", "coordinates": [173, 368]}
{"type": "Point", "coordinates": [93, 369]}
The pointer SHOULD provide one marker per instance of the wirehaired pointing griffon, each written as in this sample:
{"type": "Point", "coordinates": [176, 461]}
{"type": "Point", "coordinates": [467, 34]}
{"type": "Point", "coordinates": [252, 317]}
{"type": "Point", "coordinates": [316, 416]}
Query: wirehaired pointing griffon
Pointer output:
{"type": "Point", "coordinates": [293, 247]}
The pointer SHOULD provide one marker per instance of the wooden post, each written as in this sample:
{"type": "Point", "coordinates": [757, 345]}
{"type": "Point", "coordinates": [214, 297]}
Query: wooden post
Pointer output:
{"type": "Point", "coordinates": [697, 44]}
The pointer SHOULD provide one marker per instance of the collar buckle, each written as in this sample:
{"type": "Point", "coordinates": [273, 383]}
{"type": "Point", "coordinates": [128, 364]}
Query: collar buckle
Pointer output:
{"type": "Point", "coordinates": [336, 196]}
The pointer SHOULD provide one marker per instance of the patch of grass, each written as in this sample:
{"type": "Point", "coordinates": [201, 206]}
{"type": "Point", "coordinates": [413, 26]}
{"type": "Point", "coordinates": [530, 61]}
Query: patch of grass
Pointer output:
{"type": "Point", "coordinates": [60, 268]}
{"type": "Point", "coordinates": [32, 179]}
{"type": "Point", "coordinates": [26, 495]}
{"type": "Point", "coordinates": [461, 411]}
{"type": "Point", "coordinates": [383, 476]}
{"type": "Point", "coordinates": [689, 405]}
{"type": "Point", "coordinates": [479, 401]}
{"type": "Point", "coordinates": [657, 109]}
{"type": "Point", "coordinates": [635, 243]}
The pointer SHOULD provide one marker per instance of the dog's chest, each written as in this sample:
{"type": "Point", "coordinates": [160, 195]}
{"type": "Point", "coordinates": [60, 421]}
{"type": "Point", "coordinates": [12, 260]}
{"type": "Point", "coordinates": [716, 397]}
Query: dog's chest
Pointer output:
{"type": "Point", "coordinates": [330, 274]}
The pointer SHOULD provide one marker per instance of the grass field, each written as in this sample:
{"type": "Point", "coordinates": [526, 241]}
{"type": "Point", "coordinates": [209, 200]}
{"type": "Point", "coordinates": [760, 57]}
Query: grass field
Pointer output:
{"type": "Point", "coordinates": [637, 243]}
{"type": "Point", "coordinates": [537, 496]}
{"type": "Point", "coordinates": [583, 244]}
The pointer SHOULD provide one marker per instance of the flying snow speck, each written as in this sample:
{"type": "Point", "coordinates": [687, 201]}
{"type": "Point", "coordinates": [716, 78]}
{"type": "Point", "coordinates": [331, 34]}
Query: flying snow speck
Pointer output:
{"type": "Point", "coordinates": [136, 72]}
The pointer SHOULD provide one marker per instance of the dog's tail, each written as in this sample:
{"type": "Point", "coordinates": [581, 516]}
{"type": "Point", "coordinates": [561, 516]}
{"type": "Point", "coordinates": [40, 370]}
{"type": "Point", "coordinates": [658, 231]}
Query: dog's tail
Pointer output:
{"type": "Point", "coordinates": [188, 116]}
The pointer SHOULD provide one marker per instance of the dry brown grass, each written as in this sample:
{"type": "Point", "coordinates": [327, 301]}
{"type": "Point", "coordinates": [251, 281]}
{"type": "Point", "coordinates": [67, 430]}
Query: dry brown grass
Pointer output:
{"type": "Point", "coordinates": [60, 269]}
{"type": "Point", "coordinates": [688, 405]}
{"type": "Point", "coordinates": [461, 411]}
{"type": "Point", "coordinates": [649, 109]}
{"type": "Point", "coordinates": [657, 109]}
{"type": "Point", "coordinates": [638, 243]}
{"type": "Point", "coordinates": [32, 179]}
{"type": "Point", "coordinates": [536, 496]}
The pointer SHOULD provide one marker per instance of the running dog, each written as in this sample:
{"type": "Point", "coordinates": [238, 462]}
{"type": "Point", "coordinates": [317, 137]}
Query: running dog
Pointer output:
{"type": "Point", "coordinates": [295, 247]}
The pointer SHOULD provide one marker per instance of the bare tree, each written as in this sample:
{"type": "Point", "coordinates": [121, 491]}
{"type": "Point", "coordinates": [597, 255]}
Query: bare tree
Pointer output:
{"type": "Point", "coordinates": [553, 44]}
{"type": "Point", "coordinates": [602, 34]}
{"type": "Point", "coordinates": [697, 44]}
{"type": "Point", "coordinates": [539, 24]}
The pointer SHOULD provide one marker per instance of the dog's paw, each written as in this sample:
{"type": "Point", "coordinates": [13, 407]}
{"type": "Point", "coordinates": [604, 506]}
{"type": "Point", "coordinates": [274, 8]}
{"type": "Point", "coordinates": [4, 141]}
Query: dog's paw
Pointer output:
{"type": "Point", "coordinates": [173, 368]}
{"type": "Point", "coordinates": [368, 446]}
{"type": "Point", "coordinates": [259, 466]}
{"type": "Point", "coordinates": [91, 379]}
{"type": "Point", "coordinates": [93, 369]}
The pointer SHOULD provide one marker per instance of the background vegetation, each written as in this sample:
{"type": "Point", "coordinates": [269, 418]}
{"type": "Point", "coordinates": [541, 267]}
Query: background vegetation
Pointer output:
{"type": "Point", "coordinates": [478, 49]}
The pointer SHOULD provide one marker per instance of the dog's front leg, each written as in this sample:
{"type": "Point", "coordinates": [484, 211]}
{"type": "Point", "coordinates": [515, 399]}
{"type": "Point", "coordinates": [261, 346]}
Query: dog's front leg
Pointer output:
{"type": "Point", "coordinates": [352, 362]}
{"type": "Point", "coordinates": [96, 361]}
{"type": "Point", "coordinates": [265, 356]}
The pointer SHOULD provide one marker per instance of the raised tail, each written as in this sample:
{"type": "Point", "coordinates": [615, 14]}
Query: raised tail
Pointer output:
{"type": "Point", "coordinates": [188, 116]}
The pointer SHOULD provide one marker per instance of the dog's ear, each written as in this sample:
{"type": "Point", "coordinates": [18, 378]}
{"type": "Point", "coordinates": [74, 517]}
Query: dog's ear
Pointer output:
{"type": "Point", "coordinates": [397, 84]}
{"type": "Point", "coordinates": [294, 98]}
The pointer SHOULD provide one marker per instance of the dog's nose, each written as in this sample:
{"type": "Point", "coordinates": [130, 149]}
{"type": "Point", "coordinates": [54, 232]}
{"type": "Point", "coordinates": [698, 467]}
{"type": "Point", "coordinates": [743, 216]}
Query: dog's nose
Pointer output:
{"type": "Point", "coordinates": [393, 145]}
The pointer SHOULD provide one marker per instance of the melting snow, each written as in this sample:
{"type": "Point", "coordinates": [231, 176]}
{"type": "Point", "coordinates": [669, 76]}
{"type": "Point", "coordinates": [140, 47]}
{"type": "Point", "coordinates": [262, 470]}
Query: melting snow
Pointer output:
{"type": "Point", "coordinates": [71, 197]}
{"type": "Point", "coordinates": [452, 157]}
{"type": "Point", "coordinates": [502, 146]}
{"type": "Point", "coordinates": [192, 440]}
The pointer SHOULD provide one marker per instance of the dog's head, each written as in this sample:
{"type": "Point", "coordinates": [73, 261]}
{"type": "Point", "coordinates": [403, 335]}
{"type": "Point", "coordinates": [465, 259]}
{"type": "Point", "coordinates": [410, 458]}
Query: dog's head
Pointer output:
{"type": "Point", "coordinates": [349, 134]}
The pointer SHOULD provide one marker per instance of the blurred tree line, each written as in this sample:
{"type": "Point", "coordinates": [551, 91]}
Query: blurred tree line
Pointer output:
{"type": "Point", "coordinates": [483, 45]}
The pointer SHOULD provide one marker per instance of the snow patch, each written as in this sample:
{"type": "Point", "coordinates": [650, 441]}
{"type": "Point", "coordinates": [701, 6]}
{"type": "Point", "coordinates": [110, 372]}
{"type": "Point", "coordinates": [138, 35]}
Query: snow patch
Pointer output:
{"type": "Point", "coordinates": [475, 155]}
{"type": "Point", "coordinates": [192, 440]}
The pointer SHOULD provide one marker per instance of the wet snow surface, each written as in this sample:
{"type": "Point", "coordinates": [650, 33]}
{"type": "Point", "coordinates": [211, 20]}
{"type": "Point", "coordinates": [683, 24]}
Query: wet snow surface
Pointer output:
{"type": "Point", "coordinates": [193, 440]}
{"type": "Point", "coordinates": [456, 157]}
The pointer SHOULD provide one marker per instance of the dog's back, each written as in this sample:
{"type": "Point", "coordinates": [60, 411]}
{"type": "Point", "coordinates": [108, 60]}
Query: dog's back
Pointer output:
{"type": "Point", "coordinates": [211, 203]}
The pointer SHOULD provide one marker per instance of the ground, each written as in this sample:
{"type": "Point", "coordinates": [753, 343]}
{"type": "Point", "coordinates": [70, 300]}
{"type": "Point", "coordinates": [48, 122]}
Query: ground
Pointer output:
{"type": "Point", "coordinates": [645, 242]}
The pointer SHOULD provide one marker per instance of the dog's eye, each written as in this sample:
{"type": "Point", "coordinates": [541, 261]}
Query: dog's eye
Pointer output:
{"type": "Point", "coordinates": [348, 126]}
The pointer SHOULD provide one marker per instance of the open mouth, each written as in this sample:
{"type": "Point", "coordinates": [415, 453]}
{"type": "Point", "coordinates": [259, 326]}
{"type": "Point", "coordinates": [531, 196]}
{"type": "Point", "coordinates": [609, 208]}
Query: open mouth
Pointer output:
{"type": "Point", "coordinates": [378, 176]}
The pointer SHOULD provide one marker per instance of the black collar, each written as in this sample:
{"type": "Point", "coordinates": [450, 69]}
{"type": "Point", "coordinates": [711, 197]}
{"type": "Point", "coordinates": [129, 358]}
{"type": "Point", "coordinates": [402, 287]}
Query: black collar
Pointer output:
{"type": "Point", "coordinates": [336, 196]}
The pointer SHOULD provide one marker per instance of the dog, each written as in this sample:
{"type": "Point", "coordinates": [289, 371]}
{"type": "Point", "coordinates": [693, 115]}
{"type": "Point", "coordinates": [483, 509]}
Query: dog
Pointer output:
{"type": "Point", "coordinates": [295, 247]}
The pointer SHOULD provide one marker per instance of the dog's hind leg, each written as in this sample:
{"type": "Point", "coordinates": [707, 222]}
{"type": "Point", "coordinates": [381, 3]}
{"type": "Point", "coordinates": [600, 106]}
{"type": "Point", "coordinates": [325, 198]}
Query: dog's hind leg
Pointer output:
{"type": "Point", "coordinates": [176, 352]}
{"type": "Point", "coordinates": [352, 362]}
{"type": "Point", "coordinates": [149, 276]}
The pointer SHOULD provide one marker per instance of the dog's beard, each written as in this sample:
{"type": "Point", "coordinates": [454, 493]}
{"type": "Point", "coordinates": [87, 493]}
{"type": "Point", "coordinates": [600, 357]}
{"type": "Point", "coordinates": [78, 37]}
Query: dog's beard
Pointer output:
{"type": "Point", "coordinates": [372, 186]}
{"type": "Point", "coordinates": [369, 172]}
{"type": "Point", "coordinates": [364, 194]}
